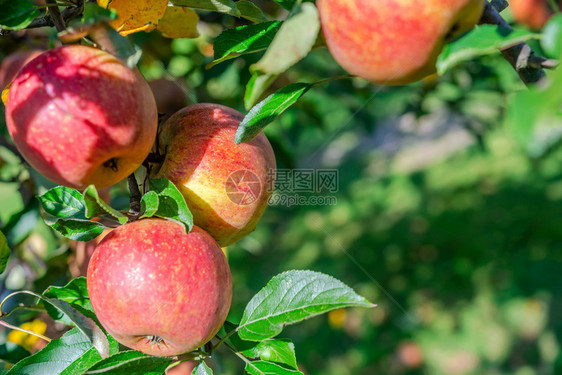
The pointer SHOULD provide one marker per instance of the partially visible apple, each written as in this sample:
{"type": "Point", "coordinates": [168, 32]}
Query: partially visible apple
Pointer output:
{"type": "Point", "coordinates": [225, 185]}
{"type": "Point", "coordinates": [533, 13]}
{"type": "Point", "coordinates": [80, 116]}
{"type": "Point", "coordinates": [393, 42]}
{"type": "Point", "coordinates": [157, 289]}
{"type": "Point", "coordinates": [170, 95]}
{"type": "Point", "coordinates": [13, 63]}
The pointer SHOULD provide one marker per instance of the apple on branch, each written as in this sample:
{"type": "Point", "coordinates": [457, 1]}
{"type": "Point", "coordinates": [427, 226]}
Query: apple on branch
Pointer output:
{"type": "Point", "coordinates": [226, 186]}
{"type": "Point", "coordinates": [157, 289]}
{"type": "Point", "coordinates": [393, 42]}
{"type": "Point", "coordinates": [80, 116]}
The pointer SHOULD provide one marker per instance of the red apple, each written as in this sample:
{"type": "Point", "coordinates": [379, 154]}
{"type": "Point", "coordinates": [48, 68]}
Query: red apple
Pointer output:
{"type": "Point", "coordinates": [533, 13]}
{"type": "Point", "coordinates": [80, 116]}
{"type": "Point", "coordinates": [157, 289]}
{"type": "Point", "coordinates": [393, 42]}
{"type": "Point", "coordinates": [225, 185]}
{"type": "Point", "coordinates": [13, 63]}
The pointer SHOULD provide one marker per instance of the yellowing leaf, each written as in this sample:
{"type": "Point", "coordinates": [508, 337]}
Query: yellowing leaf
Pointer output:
{"type": "Point", "coordinates": [5, 93]}
{"type": "Point", "coordinates": [133, 16]}
{"type": "Point", "coordinates": [25, 339]}
{"type": "Point", "coordinates": [179, 22]}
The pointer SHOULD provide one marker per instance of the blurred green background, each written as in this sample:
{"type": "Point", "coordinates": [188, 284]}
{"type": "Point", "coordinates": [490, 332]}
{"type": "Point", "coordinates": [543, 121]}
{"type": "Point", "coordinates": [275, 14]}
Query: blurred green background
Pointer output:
{"type": "Point", "coordinates": [441, 219]}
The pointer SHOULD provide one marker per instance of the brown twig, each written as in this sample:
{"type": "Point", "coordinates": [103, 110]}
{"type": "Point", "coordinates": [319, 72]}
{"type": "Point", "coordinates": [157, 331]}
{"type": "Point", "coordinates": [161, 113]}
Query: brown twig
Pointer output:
{"type": "Point", "coordinates": [56, 16]}
{"type": "Point", "coordinates": [521, 56]}
{"type": "Point", "coordinates": [67, 15]}
{"type": "Point", "coordinates": [135, 198]}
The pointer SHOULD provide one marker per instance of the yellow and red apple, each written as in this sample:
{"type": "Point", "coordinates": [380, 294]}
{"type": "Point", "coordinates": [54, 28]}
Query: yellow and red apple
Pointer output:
{"type": "Point", "coordinates": [80, 116]}
{"type": "Point", "coordinates": [393, 41]}
{"type": "Point", "coordinates": [225, 185]}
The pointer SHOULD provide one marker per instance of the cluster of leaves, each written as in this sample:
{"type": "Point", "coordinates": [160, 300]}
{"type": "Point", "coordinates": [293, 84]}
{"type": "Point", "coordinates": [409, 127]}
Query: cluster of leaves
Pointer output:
{"type": "Point", "coordinates": [288, 298]}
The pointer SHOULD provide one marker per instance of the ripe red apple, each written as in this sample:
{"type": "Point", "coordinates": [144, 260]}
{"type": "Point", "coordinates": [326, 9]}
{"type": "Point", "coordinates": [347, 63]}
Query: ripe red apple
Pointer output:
{"type": "Point", "coordinates": [80, 116]}
{"type": "Point", "coordinates": [157, 289]}
{"type": "Point", "coordinates": [533, 13]}
{"type": "Point", "coordinates": [225, 185]}
{"type": "Point", "coordinates": [393, 42]}
{"type": "Point", "coordinates": [13, 63]}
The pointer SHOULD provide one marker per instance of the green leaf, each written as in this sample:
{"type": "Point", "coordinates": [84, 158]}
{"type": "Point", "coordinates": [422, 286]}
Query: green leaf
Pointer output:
{"type": "Point", "coordinates": [86, 325]}
{"type": "Point", "coordinates": [255, 88]}
{"type": "Point", "coordinates": [250, 11]}
{"type": "Point", "coordinates": [12, 353]}
{"type": "Point", "coordinates": [202, 369]}
{"type": "Point", "coordinates": [22, 224]}
{"type": "Point", "coordinates": [5, 252]}
{"type": "Point", "coordinates": [267, 110]}
{"type": "Point", "coordinates": [551, 40]}
{"type": "Point", "coordinates": [287, 4]}
{"type": "Point", "coordinates": [94, 14]}
{"type": "Point", "coordinates": [95, 206]}
{"type": "Point", "coordinates": [73, 347]}
{"type": "Point", "coordinates": [268, 368]}
{"type": "Point", "coordinates": [245, 39]}
{"type": "Point", "coordinates": [482, 40]}
{"type": "Point", "coordinates": [291, 297]}
{"type": "Point", "coordinates": [17, 15]}
{"type": "Point", "coordinates": [116, 44]}
{"type": "Point", "coordinates": [171, 203]}
{"type": "Point", "coordinates": [149, 204]}
{"type": "Point", "coordinates": [75, 293]}
{"type": "Point", "coordinates": [75, 229]}
{"type": "Point", "coordinates": [67, 212]}
{"type": "Point", "coordinates": [280, 351]}
{"type": "Point", "coordinates": [131, 362]}
{"type": "Point", "coordinates": [222, 6]}
{"type": "Point", "coordinates": [63, 202]}
{"type": "Point", "coordinates": [293, 41]}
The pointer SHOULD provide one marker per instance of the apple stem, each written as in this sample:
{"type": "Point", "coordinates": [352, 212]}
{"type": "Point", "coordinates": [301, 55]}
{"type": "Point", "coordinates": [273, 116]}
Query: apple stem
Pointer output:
{"type": "Point", "coordinates": [135, 198]}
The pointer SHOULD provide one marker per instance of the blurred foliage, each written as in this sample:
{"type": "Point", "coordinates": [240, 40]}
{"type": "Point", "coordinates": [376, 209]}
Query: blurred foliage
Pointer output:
{"type": "Point", "coordinates": [441, 217]}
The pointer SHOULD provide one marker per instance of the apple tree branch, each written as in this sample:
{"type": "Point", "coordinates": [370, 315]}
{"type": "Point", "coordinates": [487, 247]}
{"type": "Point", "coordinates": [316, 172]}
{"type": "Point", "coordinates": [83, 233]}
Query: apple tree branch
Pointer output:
{"type": "Point", "coordinates": [528, 65]}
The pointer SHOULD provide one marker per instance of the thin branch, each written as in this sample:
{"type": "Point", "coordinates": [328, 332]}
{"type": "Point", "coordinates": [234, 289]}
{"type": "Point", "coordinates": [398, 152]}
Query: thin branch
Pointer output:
{"type": "Point", "coordinates": [67, 15]}
{"type": "Point", "coordinates": [56, 15]}
{"type": "Point", "coordinates": [521, 56]}
{"type": "Point", "coordinates": [7, 325]}
{"type": "Point", "coordinates": [135, 198]}
{"type": "Point", "coordinates": [499, 5]}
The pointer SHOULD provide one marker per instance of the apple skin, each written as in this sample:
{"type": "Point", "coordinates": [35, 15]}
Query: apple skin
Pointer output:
{"type": "Point", "coordinates": [13, 63]}
{"type": "Point", "coordinates": [201, 155]}
{"type": "Point", "coordinates": [533, 13]}
{"type": "Point", "coordinates": [79, 116]}
{"type": "Point", "coordinates": [149, 278]}
{"type": "Point", "coordinates": [393, 42]}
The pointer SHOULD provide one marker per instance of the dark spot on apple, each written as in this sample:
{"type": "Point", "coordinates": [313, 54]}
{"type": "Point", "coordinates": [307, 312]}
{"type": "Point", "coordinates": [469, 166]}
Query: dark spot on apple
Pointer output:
{"type": "Point", "coordinates": [111, 164]}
